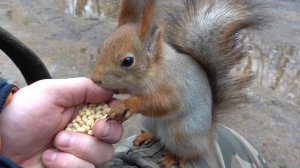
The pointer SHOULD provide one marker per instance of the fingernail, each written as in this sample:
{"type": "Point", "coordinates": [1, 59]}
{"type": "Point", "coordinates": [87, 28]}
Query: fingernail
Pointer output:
{"type": "Point", "coordinates": [106, 130]}
{"type": "Point", "coordinates": [108, 118]}
{"type": "Point", "coordinates": [65, 140]}
{"type": "Point", "coordinates": [49, 156]}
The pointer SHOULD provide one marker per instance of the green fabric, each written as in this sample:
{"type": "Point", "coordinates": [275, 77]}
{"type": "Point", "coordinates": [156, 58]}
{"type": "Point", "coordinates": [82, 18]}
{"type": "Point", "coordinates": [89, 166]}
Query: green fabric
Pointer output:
{"type": "Point", "coordinates": [230, 150]}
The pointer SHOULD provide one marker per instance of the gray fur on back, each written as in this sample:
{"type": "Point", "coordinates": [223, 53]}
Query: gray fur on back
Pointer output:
{"type": "Point", "coordinates": [194, 115]}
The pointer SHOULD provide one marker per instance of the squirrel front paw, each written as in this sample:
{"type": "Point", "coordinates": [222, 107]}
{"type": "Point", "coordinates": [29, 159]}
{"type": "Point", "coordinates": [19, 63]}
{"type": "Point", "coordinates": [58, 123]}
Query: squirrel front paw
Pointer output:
{"type": "Point", "coordinates": [119, 112]}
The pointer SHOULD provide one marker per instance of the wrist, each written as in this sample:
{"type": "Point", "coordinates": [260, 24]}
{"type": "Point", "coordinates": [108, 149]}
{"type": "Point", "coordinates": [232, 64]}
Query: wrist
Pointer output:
{"type": "Point", "coordinates": [7, 163]}
{"type": "Point", "coordinates": [6, 92]}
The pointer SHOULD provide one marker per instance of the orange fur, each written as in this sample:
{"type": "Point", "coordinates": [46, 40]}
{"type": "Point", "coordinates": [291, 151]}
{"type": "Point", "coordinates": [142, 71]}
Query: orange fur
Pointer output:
{"type": "Point", "coordinates": [144, 138]}
{"type": "Point", "coordinates": [154, 104]}
{"type": "Point", "coordinates": [129, 13]}
{"type": "Point", "coordinates": [168, 160]}
{"type": "Point", "coordinates": [202, 53]}
{"type": "Point", "coordinates": [146, 22]}
{"type": "Point", "coordinates": [178, 136]}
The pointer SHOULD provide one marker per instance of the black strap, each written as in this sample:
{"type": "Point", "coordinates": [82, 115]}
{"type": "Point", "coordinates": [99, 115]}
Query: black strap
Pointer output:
{"type": "Point", "coordinates": [30, 65]}
{"type": "Point", "coordinates": [5, 163]}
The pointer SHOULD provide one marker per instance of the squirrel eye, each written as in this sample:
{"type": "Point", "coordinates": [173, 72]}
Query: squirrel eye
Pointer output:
{"type": "Point", "coordinates": [127, 61]}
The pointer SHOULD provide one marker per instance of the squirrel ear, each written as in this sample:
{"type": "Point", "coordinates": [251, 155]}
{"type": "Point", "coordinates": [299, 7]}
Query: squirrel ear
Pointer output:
{"type": "Point", "coordinates": [130, 12]}
{"type": "Point", "coordinates": [148, 28]}
{"type": "Point", "coordinates": [147, 23]}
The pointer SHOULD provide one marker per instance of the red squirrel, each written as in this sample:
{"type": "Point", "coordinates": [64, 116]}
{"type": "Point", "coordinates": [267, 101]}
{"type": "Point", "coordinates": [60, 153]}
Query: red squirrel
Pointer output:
{"type": "Point", "coordinates": [176, 70]}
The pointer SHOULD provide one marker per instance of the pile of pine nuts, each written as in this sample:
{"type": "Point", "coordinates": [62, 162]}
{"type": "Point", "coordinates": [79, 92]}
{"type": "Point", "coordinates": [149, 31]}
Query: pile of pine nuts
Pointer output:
{"type": "Point", "coordinates": [87, 116]}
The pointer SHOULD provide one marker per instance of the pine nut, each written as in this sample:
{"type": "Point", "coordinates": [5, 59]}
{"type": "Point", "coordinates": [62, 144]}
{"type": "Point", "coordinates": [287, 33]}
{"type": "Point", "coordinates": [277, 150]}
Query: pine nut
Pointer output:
{"type": "Point", "coordinates": [86, 118]}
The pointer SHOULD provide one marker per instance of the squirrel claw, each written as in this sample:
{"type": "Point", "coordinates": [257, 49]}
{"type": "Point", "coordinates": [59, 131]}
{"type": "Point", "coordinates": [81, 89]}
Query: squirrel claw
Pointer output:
{"type": "Point", "coordinates": [168, 160]}
{"type": "Point", "coordinates": [119, 112]}
{"type": "Point", "coordinates": [144, 138]}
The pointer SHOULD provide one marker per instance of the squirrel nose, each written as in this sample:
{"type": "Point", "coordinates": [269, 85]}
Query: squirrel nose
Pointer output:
{"type": "Point", "coordinates": [98, 82]}
{"type": "Point", "coordinates": [96, 79]}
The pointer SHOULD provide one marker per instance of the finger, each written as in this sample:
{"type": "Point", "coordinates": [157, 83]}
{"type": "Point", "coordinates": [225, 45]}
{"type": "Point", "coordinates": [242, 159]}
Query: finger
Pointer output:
{"type": "Point", "coordinates": [84, 146]}
{"type": "Point", "coordinates": [55, 159]}
{"type": "Point", "coordinates": [74, 91]}
{"type": "Point", "coordinates": [108, 131]}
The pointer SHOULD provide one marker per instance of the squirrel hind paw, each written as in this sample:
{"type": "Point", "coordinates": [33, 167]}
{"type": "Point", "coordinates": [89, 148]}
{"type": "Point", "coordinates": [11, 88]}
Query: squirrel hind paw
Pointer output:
{"type": "Point", "coordinates": [144, 138]}
{"type": "Point", "coordinates": [168, 160]}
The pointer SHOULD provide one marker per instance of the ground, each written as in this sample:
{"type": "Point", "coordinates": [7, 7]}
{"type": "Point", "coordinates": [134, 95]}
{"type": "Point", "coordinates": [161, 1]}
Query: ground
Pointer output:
{"type": "Point", "coordinates": [67, 39]}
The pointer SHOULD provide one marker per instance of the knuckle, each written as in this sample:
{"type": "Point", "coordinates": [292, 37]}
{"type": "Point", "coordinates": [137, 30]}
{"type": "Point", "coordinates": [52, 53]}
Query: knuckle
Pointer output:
{"type": "Point", "coordinates": [109, 154]}
{"type": "Point", "coordinates": [105, 156]}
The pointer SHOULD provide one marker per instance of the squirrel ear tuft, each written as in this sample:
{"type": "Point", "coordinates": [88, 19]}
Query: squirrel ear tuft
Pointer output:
{"type": "Point", "coordinates": [130, 12]}
{"type": "Point", "coordinates": [147, 23]}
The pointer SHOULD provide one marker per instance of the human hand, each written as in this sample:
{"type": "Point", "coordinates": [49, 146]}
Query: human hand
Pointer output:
{"type": "Point", "coordinates": [36, 113]}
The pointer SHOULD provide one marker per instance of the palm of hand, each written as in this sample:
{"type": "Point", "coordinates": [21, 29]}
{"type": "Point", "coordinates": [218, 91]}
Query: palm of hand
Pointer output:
{"type": "Point", "coordinates": [44, 115]}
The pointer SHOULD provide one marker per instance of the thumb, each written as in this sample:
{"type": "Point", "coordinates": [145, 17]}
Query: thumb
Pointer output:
{"type": "Point", "coordinates": [75, 91]}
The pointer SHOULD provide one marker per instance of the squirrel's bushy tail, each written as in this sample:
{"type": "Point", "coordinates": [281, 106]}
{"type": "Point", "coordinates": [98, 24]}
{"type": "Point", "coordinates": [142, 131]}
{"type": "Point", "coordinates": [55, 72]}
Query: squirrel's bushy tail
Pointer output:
{"type": "Point", "coordinates": [207, 30]}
